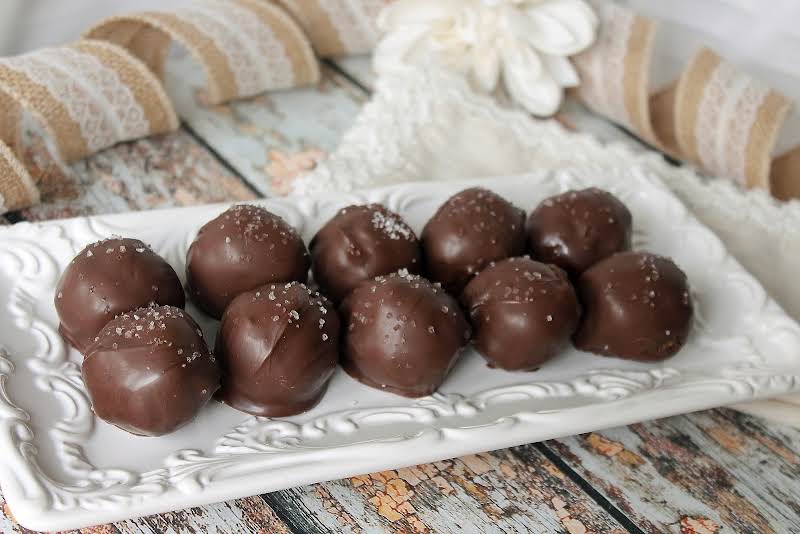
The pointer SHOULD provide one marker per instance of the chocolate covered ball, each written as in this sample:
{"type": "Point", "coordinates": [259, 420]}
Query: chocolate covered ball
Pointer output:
{"type": "Point", "coordinates": [107, 278]}
{"type": "Point", "coordinates": [523, 313]}
{"type": "Point", "coordinates": [577, 229]}
{"type": "Point", "coordinates": [242, 249]}
{"type": "Point", "coordinates": [360, 243]}
{"type": "Point", "coordinates": [150, 371]}
{"type": "Point", "coordinates": [278, 346]}
{"type": "Point", "coordinates": [402, 334]}
{"type": "Point", "coordinates": [469, 231]}
{"type": "Point", "coordinates": [636, 306]}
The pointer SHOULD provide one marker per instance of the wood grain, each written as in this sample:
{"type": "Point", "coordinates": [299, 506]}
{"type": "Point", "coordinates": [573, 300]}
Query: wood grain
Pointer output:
{"type": "Point", "coordinates": [489, 492]}
{"type": "Point", "coordinates": [733, 471]}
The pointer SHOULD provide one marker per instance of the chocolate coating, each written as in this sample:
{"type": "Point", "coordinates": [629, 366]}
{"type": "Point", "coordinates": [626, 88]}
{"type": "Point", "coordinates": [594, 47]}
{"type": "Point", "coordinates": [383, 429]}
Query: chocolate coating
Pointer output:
{"type": "Point", "coordinates": [242, 249]}
{"type": "Point", "coordinates": [278, 346]}
{"type": "Point", "coordinates": [636, 305]}
{"type": "Point", "coordinates": [403, 334]}
{"type": "Point", "coordinates": [523, 313]}
{"type": "Point", "coordinates": [107, 278]}
{"type": "Point", "coordinates": [150, 371]}
{"type": "Point", "coordinates": [576, 229]}
{"type": "Point", "coordinates": [472, 229]}
{"type": "Point", "coordinates": [360, 243]}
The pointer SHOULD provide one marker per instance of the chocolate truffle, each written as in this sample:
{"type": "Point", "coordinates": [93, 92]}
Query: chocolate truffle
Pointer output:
{"type": "Point", "coordinates": [636, 306]}
{"type": "Point", "coordinates": [150, 371]}
{"type": "Point", "coordinates": [278, 346]}
{"type": "Point", "coordinates": [108, 278]}
{"type": "Point", "coordinates": [470, 230]}
{"type": "Point", "coordinates": [403, 334]}
{"type": "Point", "coordinates": [360, 243]}
{"type": "Point", "coordinates": [577, 229]}
{"type": "Point", "coordinates": [523, 313]}
{"type": "Point", "coordinates": [242, 249]}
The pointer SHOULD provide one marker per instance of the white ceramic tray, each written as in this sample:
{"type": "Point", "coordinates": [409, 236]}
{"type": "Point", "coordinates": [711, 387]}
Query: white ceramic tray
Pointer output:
{"type": "Point", "coordinates": [62, 468]}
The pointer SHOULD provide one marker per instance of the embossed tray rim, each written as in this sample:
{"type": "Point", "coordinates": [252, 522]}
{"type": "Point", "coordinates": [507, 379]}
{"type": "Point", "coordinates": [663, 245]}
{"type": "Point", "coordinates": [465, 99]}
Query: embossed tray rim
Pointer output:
{"type": "Point", "coordinates": [623, 395]}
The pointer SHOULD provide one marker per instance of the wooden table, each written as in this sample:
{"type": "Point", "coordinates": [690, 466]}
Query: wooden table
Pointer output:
{"type": "Point", "coordinates": [706, 472]}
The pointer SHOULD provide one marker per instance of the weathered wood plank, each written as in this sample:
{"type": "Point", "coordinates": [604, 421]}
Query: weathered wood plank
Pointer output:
{"type": "Point", "coordinates": [261, 136]}
{"type": "Point", "coordinates": [160, 172]}
{"type": "Point", "coordinates": [250, 515]}
{"type": "Point", "coordinates": [490, 492]}
{"type": "Point", "coordinates": [720, 468]}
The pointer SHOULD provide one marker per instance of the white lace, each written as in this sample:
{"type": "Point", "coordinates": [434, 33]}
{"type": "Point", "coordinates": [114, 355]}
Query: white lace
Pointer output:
{"type": "Point", "coordinates": [94, 96]}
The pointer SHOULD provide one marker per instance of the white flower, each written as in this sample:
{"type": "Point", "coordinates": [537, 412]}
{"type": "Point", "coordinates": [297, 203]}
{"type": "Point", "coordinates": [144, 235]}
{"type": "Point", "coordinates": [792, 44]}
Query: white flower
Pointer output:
{"type": "Point", "coordinates": [525, 42]}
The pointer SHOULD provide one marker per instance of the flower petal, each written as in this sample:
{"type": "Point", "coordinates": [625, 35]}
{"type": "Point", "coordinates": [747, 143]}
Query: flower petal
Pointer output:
{"type": "Point", "coordinates": [520, 58]}
{"type": "Point", "coordinates": [528, 83]}
{"type": "Point", "coordinates": [559, 27]}
{"type": "Point", "coordinates": [486, 67]}
{"type": "Point", "coordinates": [561, 69]}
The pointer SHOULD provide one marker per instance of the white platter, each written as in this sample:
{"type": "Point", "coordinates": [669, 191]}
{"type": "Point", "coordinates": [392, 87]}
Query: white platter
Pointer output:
{"type": "Point", "coordinates": [62, 468]}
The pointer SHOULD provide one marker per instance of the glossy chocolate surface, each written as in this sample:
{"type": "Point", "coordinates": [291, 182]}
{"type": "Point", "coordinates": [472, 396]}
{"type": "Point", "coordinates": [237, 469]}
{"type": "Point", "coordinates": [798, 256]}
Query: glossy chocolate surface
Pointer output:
{"type": "Point", "coordinates": [107, 278]}
{"type": "Point", "coordinates": [360, 243]}
{"type": "Point", "coordinates": [242, 249]}
{"type": "Point", "coordinates": [523, 313]}
{"type": "Point", "coordinates": [636, 306]}
{"type": "Point", "coordinates": [402, 334]}
{"type": "Point", "coordinates": [150, 371]}
{"type": "Point", "coordinates": [472, 229]}
{"type": "Point", "coordinates": [576, 229]}
{"type": "Point", "coordinates": [278, 346]}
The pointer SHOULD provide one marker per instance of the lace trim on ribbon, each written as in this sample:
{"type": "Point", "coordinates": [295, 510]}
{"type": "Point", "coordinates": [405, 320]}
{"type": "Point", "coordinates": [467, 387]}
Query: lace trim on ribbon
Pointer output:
{"type": "Point", "coordinates": [714, 116]}
{"type": "Point", "coordinates": [244, 46]}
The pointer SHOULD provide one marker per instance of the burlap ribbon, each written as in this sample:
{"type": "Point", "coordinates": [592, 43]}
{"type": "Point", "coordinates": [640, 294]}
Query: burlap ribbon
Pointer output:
{"type": "Point", "coordinates": [713, 116]}
{"type": "Point", "coordinates": [245, 47]}
{"type": "Point", "coordinates": [86, 96]}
